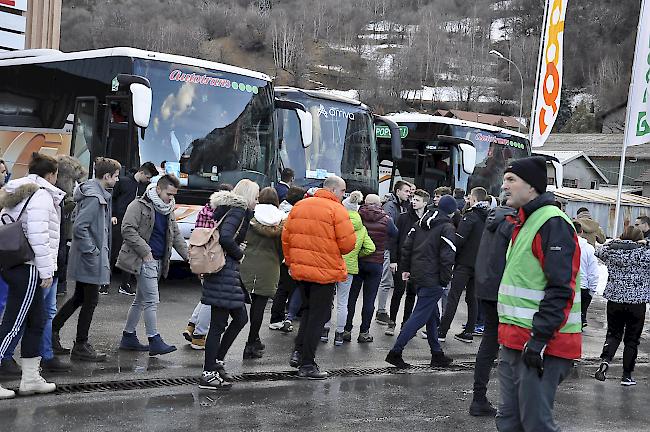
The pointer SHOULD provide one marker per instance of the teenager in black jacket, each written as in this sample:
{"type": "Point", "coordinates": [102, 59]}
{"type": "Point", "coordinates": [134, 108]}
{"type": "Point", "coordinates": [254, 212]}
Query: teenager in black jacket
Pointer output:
{"type": "Point", "coordinates": [404, 223]}
{"type": "Point", "coordinates": [467, 240]}
{"type": "Point", "coordinates": [427, 258]}
{"type": "Point", "coordinates": [490, 263]}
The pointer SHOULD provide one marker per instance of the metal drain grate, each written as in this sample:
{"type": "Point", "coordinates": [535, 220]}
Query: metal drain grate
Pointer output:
{"type": "Point", "coordinates": [140, 384]}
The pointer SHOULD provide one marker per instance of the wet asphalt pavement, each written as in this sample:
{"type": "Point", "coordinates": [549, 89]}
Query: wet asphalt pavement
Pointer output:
{"type": "Point", "coordinates": [415, 400]}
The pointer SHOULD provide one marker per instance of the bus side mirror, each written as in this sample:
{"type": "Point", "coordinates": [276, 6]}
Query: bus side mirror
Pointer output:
{"type": "Point", "coordinates": [468, 157]}
{"type": "Point", "coordinates": [395, 137]}
{"type": "Point", "coordinates": [304, 118]}
{"type": "Point", "coordinates": [306, 127]}
{"type": "Point", "coordinates": [141, 96]}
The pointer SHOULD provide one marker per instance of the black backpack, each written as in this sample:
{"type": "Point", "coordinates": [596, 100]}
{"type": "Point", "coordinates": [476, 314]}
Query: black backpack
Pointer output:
{"type": "Point", "coordinates": [14, 246]}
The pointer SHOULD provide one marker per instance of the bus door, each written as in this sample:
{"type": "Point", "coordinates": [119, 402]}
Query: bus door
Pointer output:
{"type": "Point", "coordinates": [85, 130]}
{"type": "Point", "coordinates": [120, 141]}
{"type": "Point", "coordinates": [433, 168]}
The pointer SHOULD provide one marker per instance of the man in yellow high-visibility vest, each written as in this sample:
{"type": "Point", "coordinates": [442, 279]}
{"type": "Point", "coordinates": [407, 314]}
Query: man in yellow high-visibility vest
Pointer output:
{"type": "Point", "coordinates": [539, 302]}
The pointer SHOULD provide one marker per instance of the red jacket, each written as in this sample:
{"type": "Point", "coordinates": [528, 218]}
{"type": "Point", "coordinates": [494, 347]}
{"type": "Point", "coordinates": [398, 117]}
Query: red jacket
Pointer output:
{"type": "Point", "coordinates": [316, 235]}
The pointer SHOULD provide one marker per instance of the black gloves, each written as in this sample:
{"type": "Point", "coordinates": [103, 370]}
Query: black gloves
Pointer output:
{"type": "Point", "coordinates": [533, 356]}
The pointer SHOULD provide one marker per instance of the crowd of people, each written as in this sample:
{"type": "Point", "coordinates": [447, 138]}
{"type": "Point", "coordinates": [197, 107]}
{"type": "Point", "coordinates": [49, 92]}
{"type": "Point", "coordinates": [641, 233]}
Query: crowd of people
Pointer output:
{"type": "Point", "coordinates": [527, 270]}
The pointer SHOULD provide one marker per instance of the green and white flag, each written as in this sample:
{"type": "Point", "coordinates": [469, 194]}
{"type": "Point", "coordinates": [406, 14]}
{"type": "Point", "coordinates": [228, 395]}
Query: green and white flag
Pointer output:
{"type": "Point", "coordinates": [638, 101]}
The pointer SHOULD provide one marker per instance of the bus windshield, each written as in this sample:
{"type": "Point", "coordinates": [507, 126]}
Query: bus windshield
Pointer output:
{"type": "Point", "coordinates": [208, 126]}
{"type": "Point", "coordinates": [343, 143]}
{"type": "Point", "coordinates": [494, 151]}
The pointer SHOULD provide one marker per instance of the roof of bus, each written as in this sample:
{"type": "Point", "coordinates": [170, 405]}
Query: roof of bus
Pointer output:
{"type": "Point", "coordinates": [414, 117]}
{"type": "Point", "coordinates": [135, 53]}
{"type": "Point", "coordinates": [322, 95]}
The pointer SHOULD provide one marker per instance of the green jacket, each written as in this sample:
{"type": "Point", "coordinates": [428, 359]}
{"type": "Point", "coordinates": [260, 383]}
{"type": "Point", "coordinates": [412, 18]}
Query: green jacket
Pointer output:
{"type": "Point", "coordinates": [260, 270]}
{"type": "Point", "coordinates": [363, 247]}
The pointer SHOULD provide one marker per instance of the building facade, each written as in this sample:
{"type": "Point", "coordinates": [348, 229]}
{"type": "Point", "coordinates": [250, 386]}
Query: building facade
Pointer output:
{"type": "Point", "coordinates": [29, 24]}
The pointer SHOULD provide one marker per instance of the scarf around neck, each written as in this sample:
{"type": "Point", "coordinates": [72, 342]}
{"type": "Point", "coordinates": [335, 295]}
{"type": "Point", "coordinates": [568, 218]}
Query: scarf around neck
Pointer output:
{"type": "Point", "coordinates": [158, 204]}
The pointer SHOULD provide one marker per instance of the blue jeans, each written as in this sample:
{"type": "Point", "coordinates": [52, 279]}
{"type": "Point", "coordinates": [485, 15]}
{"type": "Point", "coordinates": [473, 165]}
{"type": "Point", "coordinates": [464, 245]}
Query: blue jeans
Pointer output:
{"type": "Point", "coordinates": [425, 312]}
{"type": "Point", "coordinates": [49, 309]}
{"type": "Point", "coordinates": [4, 291]}
{"type": "Point", "coordinates": [295, 303]}
{"type": "Point", "coordinates": [369, 276]}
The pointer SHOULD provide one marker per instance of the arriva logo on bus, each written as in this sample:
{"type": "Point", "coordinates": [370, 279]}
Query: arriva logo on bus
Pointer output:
{"type": "Point", "coordinates": [551, 83]}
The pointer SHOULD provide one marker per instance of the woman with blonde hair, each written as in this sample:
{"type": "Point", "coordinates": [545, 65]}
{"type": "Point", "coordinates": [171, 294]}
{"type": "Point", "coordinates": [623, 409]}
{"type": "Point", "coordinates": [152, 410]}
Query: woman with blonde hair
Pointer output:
{"type": "Point", "coordinates": [260, 271]}
{"type": "Point", "coordinates": [222, 291]}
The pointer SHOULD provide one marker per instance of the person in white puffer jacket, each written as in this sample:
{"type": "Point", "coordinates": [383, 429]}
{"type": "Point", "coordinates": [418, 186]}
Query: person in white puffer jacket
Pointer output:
{"type": "Point", "coordinates": [28, 282]}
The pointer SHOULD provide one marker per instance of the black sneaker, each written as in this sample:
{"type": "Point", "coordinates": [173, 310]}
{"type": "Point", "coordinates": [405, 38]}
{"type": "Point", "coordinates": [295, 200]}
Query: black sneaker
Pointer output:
{"type": "Point", "coordinates": [86, 352]}
{"type": "Point", "coordinates": [54, 365]}
{"type": "Point", "coordinates": [364, 337]}
{"type": "Point", "coordinates": [382, 318]}
{"type": "Point", "coordinates": [103, 289]}
{"type": "Point", "coordinates": [439, 359]}
{"type": "Point", "coordinates": [127, 289]}
{"type": "Point", "coordinates": [338, 339]}
{"type": "Point", "coordinates": [464, 337]}
{"type": "Point", "coordinates": [221, 368]}
{"type": "Point", "coordinates": [601, 373]}
{"type": "Point", "coordinates": [311, 372]}
{"type": "Point", "coordinates": [395, 358]}
{"type": "Point", "coordinates": [347, 336]}
{"type": "Point", "coordinates": [56, 345]}
{"type": "Point", "coordinates": [627, 381]}
{"type": "Point", "coordinates": [482, 408]}
{"type": "Point", "coordinates": [390, 329]}
{"type": "Point", "coordinates": [287, 327]}
{"type": "Point", "coordinates": [324, 336]}
{"type": "Point", "coordinates": [10, 368]}
{"type": "Point", "coordinates": [212, 380]}
{"type": "Point", "coordinates": [295, 359]}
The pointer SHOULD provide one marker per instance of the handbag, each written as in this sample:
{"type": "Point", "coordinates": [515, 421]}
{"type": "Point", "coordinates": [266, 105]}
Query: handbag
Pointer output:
{"type": "Point", "coordinates": [14, 246]}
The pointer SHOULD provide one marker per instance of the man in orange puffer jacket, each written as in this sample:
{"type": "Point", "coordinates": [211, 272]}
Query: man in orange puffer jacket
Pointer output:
{"type": "Point", "coordinates": [316, 235]}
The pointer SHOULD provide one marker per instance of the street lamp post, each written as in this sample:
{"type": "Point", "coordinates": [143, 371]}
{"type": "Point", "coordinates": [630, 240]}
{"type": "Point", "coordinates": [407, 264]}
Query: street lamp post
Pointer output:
{"type": "Point", "coordinates": [521, 78]}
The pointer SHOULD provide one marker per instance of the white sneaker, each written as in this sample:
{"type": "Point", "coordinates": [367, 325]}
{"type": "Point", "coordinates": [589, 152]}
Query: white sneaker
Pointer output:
{"type": "Point", "coordinates": [32, 381]}
{"type": "Point", "coordinates": [423, 334]}
{"type": "Point", "coordinates": [276, 325]}
{"type": "Point", "coordinates": [6, 393]}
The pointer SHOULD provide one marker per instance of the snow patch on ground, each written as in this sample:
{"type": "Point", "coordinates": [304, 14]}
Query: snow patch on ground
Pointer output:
{"type": "Point", "coordinates": [579, 98]}
{"type": "Point", "coordinates": [446, 94]}
{"type": "Point", "coordinates": [332, 68]}
{"type": "Point", "coordinates": [351, 94]}
{"type": "Point", "coordinates": [497, 30]}
{"type": "Point", "coordinates": [375, 36]}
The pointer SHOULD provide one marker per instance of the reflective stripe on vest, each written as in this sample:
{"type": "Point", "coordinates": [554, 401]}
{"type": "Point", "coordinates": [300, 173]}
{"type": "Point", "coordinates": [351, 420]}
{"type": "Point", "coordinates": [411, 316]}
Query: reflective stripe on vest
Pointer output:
{"type": "Point", "coordinates": [523, 283]}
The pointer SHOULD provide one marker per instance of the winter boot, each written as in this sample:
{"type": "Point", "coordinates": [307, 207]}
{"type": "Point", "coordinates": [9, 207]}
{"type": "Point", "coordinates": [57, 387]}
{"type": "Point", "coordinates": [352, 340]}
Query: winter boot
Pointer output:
{"type": "Point", "coordinates": [481, 407]}
{"type": "Point", "coordinates": [85, 352]}
{"type": "Point", "coordinates": [259, 345]}
{"type": "Point", "coordinates": [251, 352]}
{"type": "Point", "coordinates": [295, 359]}
{"type": "Point", "coordinates": [157, 346]}
{"type": "Point", "coordinates": [10, 368]}
{"type": "Point", "coordinates": [130, 342]}
{"type": "Point", "coordinates": [439, 359]}
{"type": "Point", "coordinates": [32, 381]}
{"type": "Point", "coordinates": [311, 372]}
{"type": "Point", "coordinates": [364, 337]}
{"type": "Point", "coordinates": [54, 365]}
{"type": "Point", "coordinates": [56, 344]}
{"type": "Point", "coordinates": [6, 393]}
{"type": "Point", "coordinates": [395, 358]}
{"type": "Point", "coordinates": [221, 368]}
{"type": "Point", "coordinates": [198, 342]}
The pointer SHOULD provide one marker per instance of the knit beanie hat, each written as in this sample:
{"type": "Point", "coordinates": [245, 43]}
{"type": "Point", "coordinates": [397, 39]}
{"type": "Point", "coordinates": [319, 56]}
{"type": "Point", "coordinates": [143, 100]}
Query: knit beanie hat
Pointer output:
{"type": "Point", "coordinates": [447, 204]}
{"type": "Point", "coordinates": [353, 201]}
{"type": "Point", "coordinates": [532, 170]}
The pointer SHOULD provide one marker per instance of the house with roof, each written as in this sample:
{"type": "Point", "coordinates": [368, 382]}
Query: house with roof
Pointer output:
{"type": "Point", "coordinates": [604, 150]}
{"type": "Point", "coordinates": [579, 171]}
{"type": "Point", "coordinates": [491, 119]}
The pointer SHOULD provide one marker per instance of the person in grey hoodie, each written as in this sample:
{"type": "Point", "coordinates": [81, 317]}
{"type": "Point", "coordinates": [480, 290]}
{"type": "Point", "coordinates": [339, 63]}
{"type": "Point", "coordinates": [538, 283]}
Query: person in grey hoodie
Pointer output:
{"type": "Point", "coordinates": [89, 260]}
